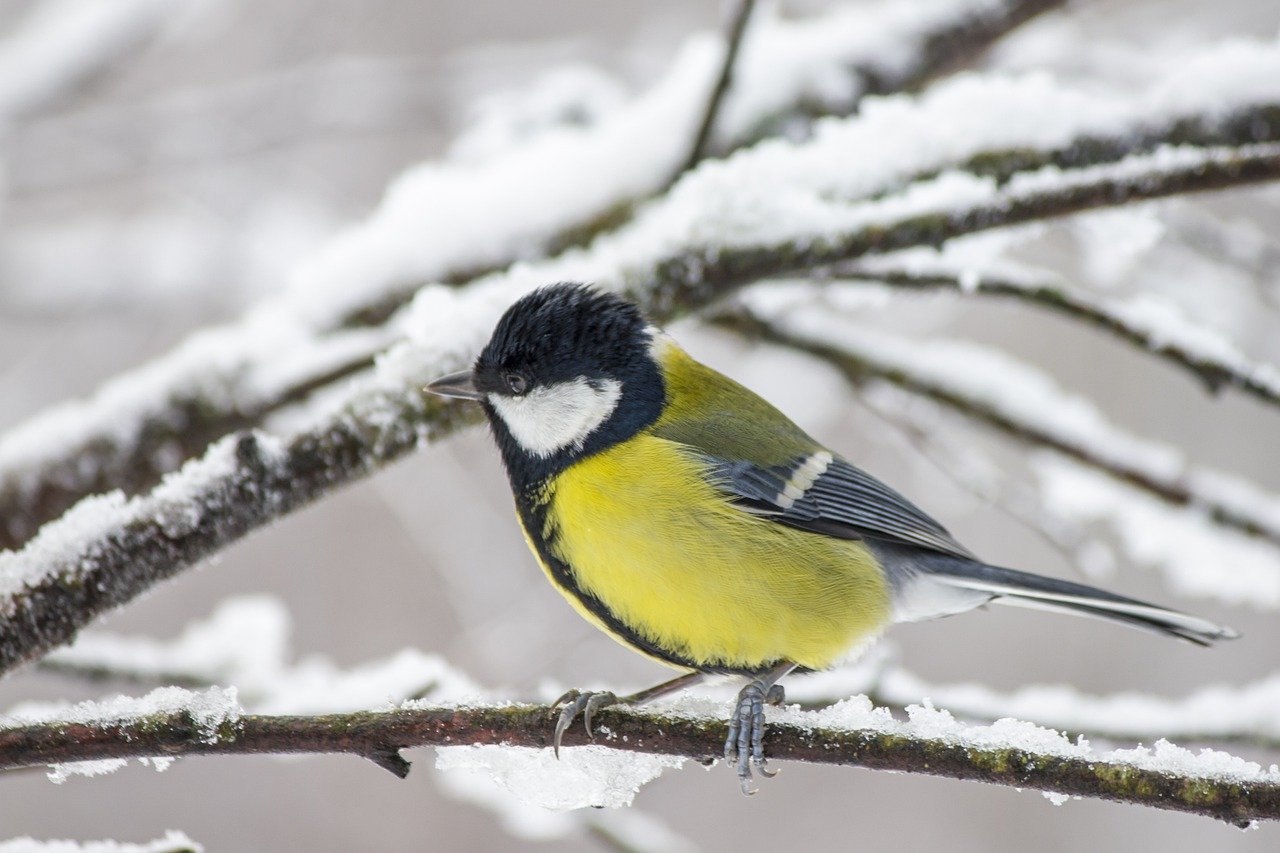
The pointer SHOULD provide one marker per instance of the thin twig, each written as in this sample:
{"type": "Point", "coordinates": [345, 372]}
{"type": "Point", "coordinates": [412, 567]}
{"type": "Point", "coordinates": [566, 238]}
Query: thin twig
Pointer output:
{"type": "Point", "coordinates": [1213, 372]}
{"type": "Point", "coordinates": [379, 737]}
{"type": "Point", "coordinates": [733, 41]}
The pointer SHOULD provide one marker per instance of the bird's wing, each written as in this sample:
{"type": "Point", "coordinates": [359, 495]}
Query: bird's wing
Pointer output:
{"type": "Point", "coordinates": [825, 494]}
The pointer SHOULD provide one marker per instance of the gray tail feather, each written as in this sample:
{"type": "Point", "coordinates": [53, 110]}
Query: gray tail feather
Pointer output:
{"type": "Point", "coordinates": [1022, 589]}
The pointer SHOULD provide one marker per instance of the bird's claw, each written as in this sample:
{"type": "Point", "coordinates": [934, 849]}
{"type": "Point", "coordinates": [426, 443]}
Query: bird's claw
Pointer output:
{"type": "Point", "coordinates": [744, 745]}
{"type": "Point", "coordinates": [577, 702]}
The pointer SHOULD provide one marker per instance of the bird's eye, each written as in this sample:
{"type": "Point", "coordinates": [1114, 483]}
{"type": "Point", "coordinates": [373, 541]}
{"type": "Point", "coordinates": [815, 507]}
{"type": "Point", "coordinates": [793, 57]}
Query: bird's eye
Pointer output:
{"type": "Point", "coordinates": [517, 383]}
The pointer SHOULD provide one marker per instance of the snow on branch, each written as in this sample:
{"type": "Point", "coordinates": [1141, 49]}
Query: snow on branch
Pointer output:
{"type": "Point", "coordinates": [171, 842]}
{"type": "Point", "coordinates": [244, 644]}
{"type": "Point", "coordinates": [854, 732]}
{"type": "Point", "coordinates": [764, 214]}
{"type": "Point", "coordinates": [443, 222]}
{"type": "Point", "coordinates": [1148, 323]}
{"type": "Point", "coordinates": [1216, 714]}
{"type": "Point", "coordinates": [1019, 400]}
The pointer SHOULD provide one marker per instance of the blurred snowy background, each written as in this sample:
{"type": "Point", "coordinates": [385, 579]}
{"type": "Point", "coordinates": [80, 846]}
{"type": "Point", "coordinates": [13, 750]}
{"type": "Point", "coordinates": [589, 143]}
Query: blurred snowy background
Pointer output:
{"type": "Point", "coordinates": [166, 163]}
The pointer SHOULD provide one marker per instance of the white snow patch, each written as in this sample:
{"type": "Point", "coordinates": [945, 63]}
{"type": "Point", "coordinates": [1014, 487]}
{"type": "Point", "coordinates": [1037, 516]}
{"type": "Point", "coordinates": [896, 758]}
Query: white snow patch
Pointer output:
{"type": "Point", "coordinates": [1114, 241]}
{"type": "Point", "coordinates": [583, 776]}
{"type": "Point", "coordinates": [60, 773]}
{"type": "Point", "coordinates": [172, 840]}
{"type": "Point", "coordinates": [245, 643]}
{"type": "Point", "coordinates": [1198, 557]}
{"type": "Point", "coordinates": [1210, 712]}
{"type": "Point", "coordinates": [925, 721]}
{"type": "Point", "coordinates": [208, 709]}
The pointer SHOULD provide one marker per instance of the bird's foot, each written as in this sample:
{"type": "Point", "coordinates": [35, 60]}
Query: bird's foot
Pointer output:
{"type": "Point", "coordinates": [577, 702]}
{"type": "Point", "coordinates": [745, 744]}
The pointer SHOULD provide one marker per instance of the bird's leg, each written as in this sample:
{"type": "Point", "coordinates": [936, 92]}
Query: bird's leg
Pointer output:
{"type": "Point", "coordinates": [745, 743]}
{"type": "Point", "coordinates": [586, 703]}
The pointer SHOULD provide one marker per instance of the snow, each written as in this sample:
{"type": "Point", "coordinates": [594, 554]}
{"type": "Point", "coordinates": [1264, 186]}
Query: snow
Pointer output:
{"type": "Point", "coordinates": [208, 709]}
{"type": "Point", "coordinates": [456, 215]}
{"type": "Point", "coordinates": [1197, 556]}
{"type": "Point", "coordinates": [60, 773]}
{"type": "Point", "coordinates": [1114, 241]}
{"type": "Point", "coordinates": [171, 841]}
{"type": "Point", "coordinates": [582, 777]}
{"type": "Point", "coordinates": [926, 722]}
{"type": "Point", "coordinates": [245, 643]}
{"type": "Point", "coordinates": [1216, 711]}
{"type": "Point", "coordinates": [1159, 321]}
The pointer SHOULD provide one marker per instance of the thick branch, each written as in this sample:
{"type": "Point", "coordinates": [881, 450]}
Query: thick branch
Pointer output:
{"type": "Point", "coordinates": [66, 590]}
{"type": "Point", "coordinates": [1213, 372]}
{"type": "Point", "coordinates": [379, 736]}
{"type": "Point", "coordinates": [683, 281]}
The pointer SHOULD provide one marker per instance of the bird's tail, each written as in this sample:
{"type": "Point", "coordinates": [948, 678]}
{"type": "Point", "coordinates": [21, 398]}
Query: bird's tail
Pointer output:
{"type": "Point", "coordinates": [969, 583]}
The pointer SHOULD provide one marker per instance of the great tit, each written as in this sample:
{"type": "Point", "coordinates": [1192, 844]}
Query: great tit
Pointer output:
{"type": "Point", "coordinates": [695, 523]}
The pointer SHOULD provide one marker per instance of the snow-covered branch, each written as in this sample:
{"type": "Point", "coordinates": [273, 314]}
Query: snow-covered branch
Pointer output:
{"type": "Point", "coordinates": [1147, 323]}
{"type": "Point", "coordinates": [854, 733]}
{"type": "Point", "coordinates": [172, 842]}
{"type": "Point", "coordinates": [1216, 714]}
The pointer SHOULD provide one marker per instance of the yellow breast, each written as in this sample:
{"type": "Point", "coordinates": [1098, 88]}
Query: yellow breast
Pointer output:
{"type": "Point", "coordinates": [670, 558]}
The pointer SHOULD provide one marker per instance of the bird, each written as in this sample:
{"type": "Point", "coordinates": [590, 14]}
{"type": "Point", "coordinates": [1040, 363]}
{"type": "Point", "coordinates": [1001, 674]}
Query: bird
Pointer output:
{"type": "Point", "coordinates": [694, 522]}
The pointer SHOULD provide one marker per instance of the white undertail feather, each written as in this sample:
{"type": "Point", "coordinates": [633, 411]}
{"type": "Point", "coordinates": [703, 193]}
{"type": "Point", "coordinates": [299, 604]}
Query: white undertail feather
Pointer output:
{"type": "Point", "coordinates": [930, 595]}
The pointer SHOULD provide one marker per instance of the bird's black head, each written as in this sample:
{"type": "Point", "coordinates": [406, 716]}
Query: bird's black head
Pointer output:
{"type": "Point", "coordinates": [568, 372]}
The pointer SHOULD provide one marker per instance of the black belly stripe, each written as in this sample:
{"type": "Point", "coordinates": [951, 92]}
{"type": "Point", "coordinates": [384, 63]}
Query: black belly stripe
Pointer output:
{"type": "Point", "coordinates": [533, 516]}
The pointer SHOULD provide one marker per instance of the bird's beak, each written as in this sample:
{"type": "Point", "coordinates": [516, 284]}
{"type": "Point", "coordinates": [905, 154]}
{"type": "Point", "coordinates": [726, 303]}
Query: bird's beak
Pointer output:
{"type": "Point", "coordinates": [458, 384]}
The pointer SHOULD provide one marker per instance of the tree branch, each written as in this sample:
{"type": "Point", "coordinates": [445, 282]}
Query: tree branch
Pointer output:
{"type": "Point", "coordinates": [1212, 370]}
{"type": "Point", "coordinates": [379, 737]}
{"type": "Point", "coordinates": [733, 41]}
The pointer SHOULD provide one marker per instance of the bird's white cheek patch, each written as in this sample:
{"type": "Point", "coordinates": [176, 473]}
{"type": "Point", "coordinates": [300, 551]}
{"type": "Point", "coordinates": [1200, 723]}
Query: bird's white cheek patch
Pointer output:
{"type": "Point", "coordinates": [552, 417]}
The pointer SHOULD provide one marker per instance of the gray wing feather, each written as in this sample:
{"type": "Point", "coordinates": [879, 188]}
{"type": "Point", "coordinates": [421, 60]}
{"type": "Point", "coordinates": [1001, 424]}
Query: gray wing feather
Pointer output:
{"type": "Point", "coordinates": [842, 501]}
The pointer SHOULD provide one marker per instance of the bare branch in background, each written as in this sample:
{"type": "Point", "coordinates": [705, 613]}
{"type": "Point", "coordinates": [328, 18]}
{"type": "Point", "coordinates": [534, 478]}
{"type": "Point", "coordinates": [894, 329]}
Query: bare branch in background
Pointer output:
{"type": "Point", "coordinates": [1148, 780]}
{"type": "Point", "coordinates": [733, 41]}
{"type": "Point", "coordinates": [1213, 371]}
